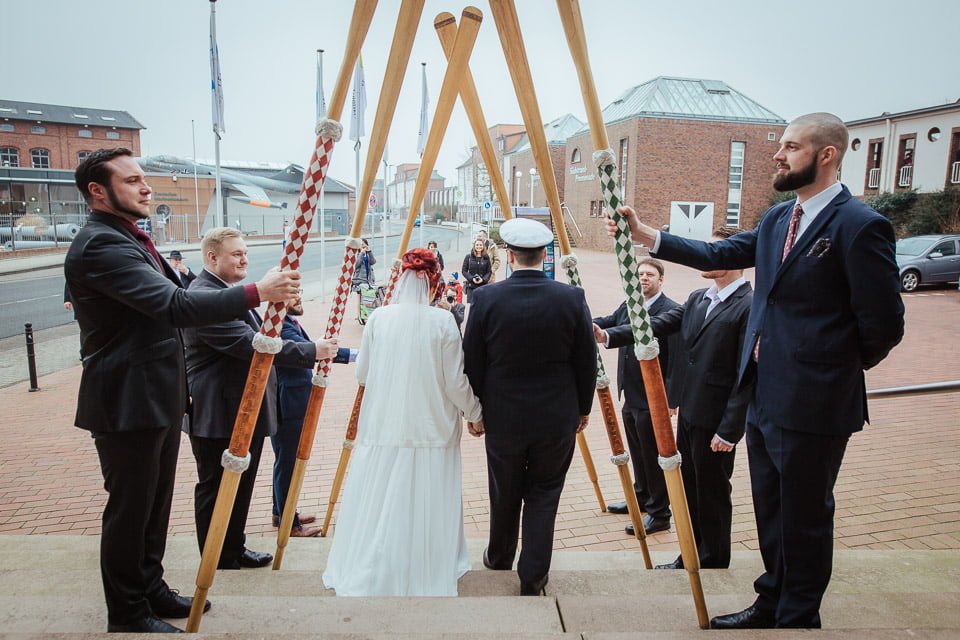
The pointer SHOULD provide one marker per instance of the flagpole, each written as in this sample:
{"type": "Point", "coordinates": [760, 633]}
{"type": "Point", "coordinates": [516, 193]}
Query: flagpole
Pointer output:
{"type": "Point", "coordinates": [357, 129]}
{"type": "Point", "coordinates": [322, 113]}
{"type": "Point", "coordinates": [423, 137]}
{"type": "Point", "coordinates": [216, 87]}
{"type": "Point", "coordinates": [383, 205]}
{"type": "Point", "coordinates": [196, 185]}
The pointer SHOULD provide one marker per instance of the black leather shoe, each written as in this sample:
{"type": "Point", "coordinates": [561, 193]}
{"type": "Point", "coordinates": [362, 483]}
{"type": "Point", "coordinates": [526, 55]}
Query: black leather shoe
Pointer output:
{"type": "Point", "coordinates": [173, 605]}
{"type": "Point", "coordinates": [491, 566]}
{"type": "Point", "coordinates": [533, 588]}
{"type": "Point", "coordinates": [676, 564]}
{"type": "Point", "coordinates": [617, 507]}
{"type": "Point", "coordinates": [254, 559]}
{"type": "Point", "coordinates": [749, 618]}
{"type": "Point", "coordinates": [148, 624]}
{"type": "Point", "coordinates": [651, 525]}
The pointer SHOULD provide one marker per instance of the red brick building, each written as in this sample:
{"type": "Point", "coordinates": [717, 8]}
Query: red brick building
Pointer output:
{"type": "Point", "coordinates": [50, 136]}
{"type": "Point", "coordinates": [693, 154]}
{"type": "Point", "coordinates": [521, 161]}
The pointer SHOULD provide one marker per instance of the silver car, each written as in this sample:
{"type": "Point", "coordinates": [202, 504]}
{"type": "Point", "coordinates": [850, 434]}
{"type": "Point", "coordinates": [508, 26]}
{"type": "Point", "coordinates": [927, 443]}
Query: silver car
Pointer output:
{"type": "Point", "coordinates": [928, 260]}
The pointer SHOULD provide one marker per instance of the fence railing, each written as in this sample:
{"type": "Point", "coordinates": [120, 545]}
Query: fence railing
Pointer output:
{"type": "Point", "coordinates": [955, 173]}
{"type": "Point", "coordinates": [948, 386]}
{"type": "Point", "coordinates": [873, 180]}
{"type": "Point", "coordinates": [906, 175]}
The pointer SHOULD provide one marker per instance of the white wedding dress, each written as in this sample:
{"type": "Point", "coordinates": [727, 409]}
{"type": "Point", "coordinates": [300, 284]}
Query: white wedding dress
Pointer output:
{"type": "Point", "coordinates": [400, 527]}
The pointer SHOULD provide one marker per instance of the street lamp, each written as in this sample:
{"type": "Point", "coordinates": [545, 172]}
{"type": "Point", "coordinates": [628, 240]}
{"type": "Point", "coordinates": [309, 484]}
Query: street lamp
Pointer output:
{"type": "Point", "coordinates": [533, 178]}
{"type": "Point", "coordinates": [516, 192]}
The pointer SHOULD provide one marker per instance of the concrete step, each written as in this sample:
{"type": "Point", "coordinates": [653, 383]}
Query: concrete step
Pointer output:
{"type": "Point", "coordinates": [51, 584]}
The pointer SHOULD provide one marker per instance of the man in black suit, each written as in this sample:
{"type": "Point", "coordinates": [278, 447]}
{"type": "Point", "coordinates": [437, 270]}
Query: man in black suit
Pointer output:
{"type": "Point", "coordinates": [218, 360]}
{"type": "Point", "coordinates": [530, 357]}
{"type": "Point", "coordinates": [713, 408]}
{"type": "Point", "coordinates": [827, 306]}
{"type": "Point", "coordinates": [613, 331]}
{"type": "Point", "coordinates": [133, 390]}
{"type": "Point", "coordinates": [183, 271]}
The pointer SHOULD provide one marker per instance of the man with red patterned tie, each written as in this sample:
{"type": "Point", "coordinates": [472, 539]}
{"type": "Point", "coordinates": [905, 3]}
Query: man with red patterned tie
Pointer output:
{"type": "Point", "coordinates": [130, 305]}
{"type": "Point", "coordinates": [826, 307]}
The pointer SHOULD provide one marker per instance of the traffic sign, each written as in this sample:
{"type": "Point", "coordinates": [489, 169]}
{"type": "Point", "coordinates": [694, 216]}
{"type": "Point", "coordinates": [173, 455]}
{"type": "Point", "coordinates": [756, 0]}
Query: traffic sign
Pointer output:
{"type": "Point", "coordinates": [372, 201]}
{"type": "Point", "coordinates": [488, 205]}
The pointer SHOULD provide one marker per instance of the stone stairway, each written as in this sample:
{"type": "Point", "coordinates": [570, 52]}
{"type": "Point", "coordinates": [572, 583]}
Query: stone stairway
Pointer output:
{"type": "Point", "coordinates": [50, 587]}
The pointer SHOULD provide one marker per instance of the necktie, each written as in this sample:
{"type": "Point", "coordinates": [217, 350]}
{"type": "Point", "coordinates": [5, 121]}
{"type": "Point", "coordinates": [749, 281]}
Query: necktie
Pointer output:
{"type": "Point", "coordinates": [700, 313]}
{"type": "Point", "coordinates": [792, 231]}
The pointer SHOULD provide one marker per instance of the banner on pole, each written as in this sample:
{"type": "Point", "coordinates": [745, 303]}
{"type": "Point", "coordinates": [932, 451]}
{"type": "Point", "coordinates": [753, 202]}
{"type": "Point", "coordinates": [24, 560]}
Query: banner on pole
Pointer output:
{"type": "Point", "coordinates": [216, 84]}
{"type": "Point", "coordinates": [424, 102]}
{"type": "Point", "coordinates": [359, 107]}
{"type": "Point", "coordinates": [321, 100]}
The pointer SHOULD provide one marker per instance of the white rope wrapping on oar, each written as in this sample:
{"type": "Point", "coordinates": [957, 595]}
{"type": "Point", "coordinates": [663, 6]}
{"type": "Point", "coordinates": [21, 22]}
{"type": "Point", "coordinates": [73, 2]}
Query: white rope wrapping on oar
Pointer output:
{"type": "Point", "coordinates": [234, 463]}
{"type": "Point", "coordinates": [318, 380]}
{"type": "Point", "coordinates": [603, 380]}
{"type": "Point", "coordinates": [348, 444]}
{"type": "Point", "coordinates": [328, 128]}
{"type": "Point", "coordinates": [620, 459]}
{"type": "Point", "coordinates": [671, 463]}
{"type": "Point", "coordinates": [266, 344]}
{"type": "Point", "coordinates": [353, 243]}
{"type": "Point", "coordinates": [569, 262]}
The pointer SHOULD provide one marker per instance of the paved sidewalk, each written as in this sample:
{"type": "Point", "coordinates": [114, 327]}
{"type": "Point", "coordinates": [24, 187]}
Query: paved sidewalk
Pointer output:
{"type": "Point", "coordinates": [899, 487]}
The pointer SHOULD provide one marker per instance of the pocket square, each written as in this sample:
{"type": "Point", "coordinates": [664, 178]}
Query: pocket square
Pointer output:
{"type": "Point", "coordinates": [820, 248]}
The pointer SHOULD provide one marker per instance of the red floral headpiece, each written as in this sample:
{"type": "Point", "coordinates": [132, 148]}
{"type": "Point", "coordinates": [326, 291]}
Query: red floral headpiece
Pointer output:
{"type": "Point", "coordinates": [426, 265]}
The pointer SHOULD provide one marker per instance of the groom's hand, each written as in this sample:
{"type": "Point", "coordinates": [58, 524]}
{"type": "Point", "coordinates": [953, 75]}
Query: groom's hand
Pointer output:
{"type": "Point", "coordinates": [583, 423]}
{"type": "Point", "coordinates": [476, 429]}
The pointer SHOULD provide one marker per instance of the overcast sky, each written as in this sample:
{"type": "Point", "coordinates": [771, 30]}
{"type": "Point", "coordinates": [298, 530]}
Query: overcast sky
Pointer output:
{"type": "Point", "coordinates": [856, 58]}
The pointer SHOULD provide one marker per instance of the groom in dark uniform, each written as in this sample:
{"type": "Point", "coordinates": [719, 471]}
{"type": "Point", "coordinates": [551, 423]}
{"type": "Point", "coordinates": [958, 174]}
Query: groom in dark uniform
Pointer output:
{"type": "Point", "coordinates": [530, 356]}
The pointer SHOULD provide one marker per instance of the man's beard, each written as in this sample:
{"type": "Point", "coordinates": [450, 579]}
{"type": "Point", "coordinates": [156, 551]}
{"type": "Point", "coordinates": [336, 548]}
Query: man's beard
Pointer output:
{"type": "Point", "coordinates": [112, 200]}
{"type": "Point", "coordinates": [295, 311]}
{"type": "Point", "coordinates": [793, 180]}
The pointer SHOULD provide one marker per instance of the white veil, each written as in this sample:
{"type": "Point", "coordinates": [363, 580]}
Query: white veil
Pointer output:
{"type": "Point", "coordinates": [412, 288]}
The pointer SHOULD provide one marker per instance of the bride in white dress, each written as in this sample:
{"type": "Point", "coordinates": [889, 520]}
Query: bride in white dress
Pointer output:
{"type": "Point", "coordinates": [400, 527]}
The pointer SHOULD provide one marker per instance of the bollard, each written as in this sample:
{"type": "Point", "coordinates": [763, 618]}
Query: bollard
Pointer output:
{"type": "Point", "coordinates": [31, 357]}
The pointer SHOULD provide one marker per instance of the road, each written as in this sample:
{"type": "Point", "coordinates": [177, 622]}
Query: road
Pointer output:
{"type": "Point", "coordinates": [37, 297]}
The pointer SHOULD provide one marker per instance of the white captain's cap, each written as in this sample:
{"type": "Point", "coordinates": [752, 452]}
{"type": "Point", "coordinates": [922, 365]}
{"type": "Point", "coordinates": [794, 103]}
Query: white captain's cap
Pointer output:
{"type": "Point", "coordinates": [524, 233]}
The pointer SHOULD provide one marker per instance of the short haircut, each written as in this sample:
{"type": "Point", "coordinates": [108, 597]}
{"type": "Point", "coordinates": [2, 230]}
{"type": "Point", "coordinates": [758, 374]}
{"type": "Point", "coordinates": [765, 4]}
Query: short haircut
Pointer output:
{"type": "Point", "coordinates": [431, 243]}
{"type": "Point", "coordinates": [94, 169]}
{"type": "Point", "coordinates": [215, 237]}
{"type": "Point", "coordinates": [527, 257]}
{"type": "Point", "coordinates": [726, 232]}
{"type": "Point", "coordinates": [653, 262]}
{"type": "Point", "coordinates": [826, 130]}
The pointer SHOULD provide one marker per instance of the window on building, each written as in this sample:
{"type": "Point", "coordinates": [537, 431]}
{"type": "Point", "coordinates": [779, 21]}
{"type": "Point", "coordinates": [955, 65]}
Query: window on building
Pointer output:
{"type": "Point", "coordinates": [9, 157]}
{"type": "Point", "coordinates": [575, 156]}
{"type": "Point", "coordinates": [82, 155]}
{"type": "Point", "coordinates": [874, 159]}
{"type": "Point", "coordinates": [953, 164]}
{"type": "Point", "coordinates": [40, 158]}
{"type": "Point", "coordinates": [85, 133]}
{"type": "Point", "coordinates": [623, 165]}
{"type": "Point", "coordinates": [934, 134]}
{"type": "Point", "coordinates": [38, 129]}
{"type": "Point", "coordinates": [735, 183]}
{"type": "Point", "coordinates": [6, 126]}
{"type": "Point", "coordinates": [113, 135]}
{"type": "Point", "coordinates": [855, 145]}
{"type": "Point", "coordinates": [905, 155]}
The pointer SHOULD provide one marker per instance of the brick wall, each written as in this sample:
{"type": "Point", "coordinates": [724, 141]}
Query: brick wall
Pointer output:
{"type": "Point", "coordinates": [63, 141]}
{"type": "Point", "coordinates": [671, 160]}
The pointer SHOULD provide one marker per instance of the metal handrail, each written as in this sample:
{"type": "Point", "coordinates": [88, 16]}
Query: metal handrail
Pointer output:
{"type": "Point", "coordinates": [948, 386]}
{"type": "Point", "coordinates": [565, 208]}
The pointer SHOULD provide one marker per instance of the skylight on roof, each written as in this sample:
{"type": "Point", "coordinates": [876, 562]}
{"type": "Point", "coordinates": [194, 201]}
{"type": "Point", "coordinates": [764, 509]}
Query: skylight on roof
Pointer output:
{"type": "Point", "coordinates": [715, 86]}
{"type": "Point", "coordinates": [108, 118]}
{"type": "Point", "coordinates": [7, 110]}
{"type": "Point", "coordinates": [35, 112]}
{"type": "Point", "coordinates": [80, 115]}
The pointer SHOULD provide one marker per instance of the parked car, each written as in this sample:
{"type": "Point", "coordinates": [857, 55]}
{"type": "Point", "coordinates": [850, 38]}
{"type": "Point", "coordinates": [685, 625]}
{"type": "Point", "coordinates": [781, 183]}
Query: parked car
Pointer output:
{"type": "Point", "coordinates": [928, 260]}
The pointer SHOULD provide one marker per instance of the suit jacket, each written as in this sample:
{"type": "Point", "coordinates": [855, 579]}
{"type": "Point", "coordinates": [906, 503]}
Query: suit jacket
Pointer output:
{"type": "Point", "coordinates": [530, 355]}
{"type": "Point", "coordinates": [128, 308]}
{"type": "Point", "coordinates": [294, 384]}
{"type": "Point", "coordinates": [620, 335]}
{"type": "Point", "coordinates": [821, 321]}
{"type": "Point", "coordinates": [705, 362]}
{"type": "Point", "coordinates": [218, 361]}
{"type": "Point", "coordinates": [186, 278]}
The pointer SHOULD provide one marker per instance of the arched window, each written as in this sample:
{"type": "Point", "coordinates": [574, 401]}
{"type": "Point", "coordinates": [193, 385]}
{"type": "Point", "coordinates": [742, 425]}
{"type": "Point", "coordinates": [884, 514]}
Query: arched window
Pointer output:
{"type": "Point", "coordinates": [38, 129]}
{"type": "Point", "coordinates": [85, 133]}
{"type": "Point", "coordinates": [40, 158]}
{"type": "Point", "coordinates": [82, 155]}
{"type": "Point", "coordinates": [575, 157]}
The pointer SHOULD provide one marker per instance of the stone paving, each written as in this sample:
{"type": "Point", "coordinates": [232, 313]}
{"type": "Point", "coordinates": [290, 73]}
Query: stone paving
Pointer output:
{"type": "Point", "coordinates": [899, 487]}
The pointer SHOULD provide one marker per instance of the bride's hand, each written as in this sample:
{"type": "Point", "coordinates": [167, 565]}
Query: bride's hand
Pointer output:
{"type": "Point", "coordinates": [476, 429]}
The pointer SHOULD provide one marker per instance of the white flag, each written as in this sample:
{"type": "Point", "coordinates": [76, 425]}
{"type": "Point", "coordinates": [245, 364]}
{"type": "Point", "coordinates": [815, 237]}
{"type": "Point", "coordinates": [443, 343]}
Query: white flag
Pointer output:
{"type": "Point", "coordinates": [357, 129]}
{"type": "Point", "coordinates": [216, 85]}
{"type": "Point", "coordinates": [424, 101]}
{"type": "Point", "coordinates": [321, 101]}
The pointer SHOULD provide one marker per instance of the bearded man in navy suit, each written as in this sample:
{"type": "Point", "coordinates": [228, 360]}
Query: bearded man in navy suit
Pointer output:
{"type": "Point", "coordinates": [827, 307]}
